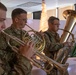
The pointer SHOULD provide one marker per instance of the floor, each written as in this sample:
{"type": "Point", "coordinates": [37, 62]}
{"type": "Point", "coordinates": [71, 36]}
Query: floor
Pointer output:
{"type": "Point", "coordinates": [71, 68]}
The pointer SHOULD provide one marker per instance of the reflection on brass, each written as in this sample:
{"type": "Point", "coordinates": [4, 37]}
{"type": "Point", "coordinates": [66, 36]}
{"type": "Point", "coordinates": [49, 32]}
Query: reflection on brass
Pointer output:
{"type": "Point", "coordinates": [70, 16]}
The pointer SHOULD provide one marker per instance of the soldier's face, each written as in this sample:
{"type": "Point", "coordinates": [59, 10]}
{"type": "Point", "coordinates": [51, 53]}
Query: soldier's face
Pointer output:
{"type": "Point", "coordinates": [2, 19]}
{"type": "Point", "coordinates": [21, 20]}
{"type": "Point", "coordinates": [55, 26]}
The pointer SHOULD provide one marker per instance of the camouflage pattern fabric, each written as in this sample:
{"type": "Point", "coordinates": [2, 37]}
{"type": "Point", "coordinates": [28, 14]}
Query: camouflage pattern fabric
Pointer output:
{"type": "Point", "coordinates": [52, 43]}
{"type": "Point", "coordinates": [11, 62]}
{"type": "Point", "coordinates": [52, 47]}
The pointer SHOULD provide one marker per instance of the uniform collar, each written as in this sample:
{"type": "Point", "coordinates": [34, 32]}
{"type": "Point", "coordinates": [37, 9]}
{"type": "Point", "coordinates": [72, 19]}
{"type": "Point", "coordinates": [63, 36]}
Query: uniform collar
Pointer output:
{"type": "Point", "coordinates": [18, 31]}
{"type": "Point", "coordinates": [52, 33]}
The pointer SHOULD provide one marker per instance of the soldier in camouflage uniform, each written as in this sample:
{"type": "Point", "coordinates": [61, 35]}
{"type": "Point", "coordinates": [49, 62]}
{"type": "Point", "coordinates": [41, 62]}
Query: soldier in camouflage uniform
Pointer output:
{"type": "Point", "coordinates": [13, 63]}
{"type": "Point", "coordinates": [52, 41]}
{"type": "Point", "coordinates": [3, 10]}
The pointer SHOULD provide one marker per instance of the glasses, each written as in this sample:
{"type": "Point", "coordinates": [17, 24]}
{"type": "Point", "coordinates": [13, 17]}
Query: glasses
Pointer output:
{"type": "Point", "coordinates": [23, 19]}
{"type": "Point", "coordinates": [56, 24]}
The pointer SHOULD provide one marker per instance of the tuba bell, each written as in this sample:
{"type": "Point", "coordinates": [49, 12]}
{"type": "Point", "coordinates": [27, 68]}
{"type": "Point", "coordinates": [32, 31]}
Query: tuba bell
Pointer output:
{"type": "Point", "coordinates": [70, 16]}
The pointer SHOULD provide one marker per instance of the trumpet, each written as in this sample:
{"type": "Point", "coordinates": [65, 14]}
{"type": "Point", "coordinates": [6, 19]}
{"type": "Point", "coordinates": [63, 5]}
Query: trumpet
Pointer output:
{"type": "Point", "coordinates": [39, 42]}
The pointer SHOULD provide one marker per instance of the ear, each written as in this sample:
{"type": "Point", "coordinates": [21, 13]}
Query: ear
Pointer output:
{"type": "Point", "coordinates": [16, 19]}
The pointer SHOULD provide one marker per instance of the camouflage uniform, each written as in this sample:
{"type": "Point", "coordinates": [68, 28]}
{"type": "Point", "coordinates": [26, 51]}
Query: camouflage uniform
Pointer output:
{"type": "Point", "coordinates": [13, 63]}
{"type": "Point", "coordinates": [52, 47]}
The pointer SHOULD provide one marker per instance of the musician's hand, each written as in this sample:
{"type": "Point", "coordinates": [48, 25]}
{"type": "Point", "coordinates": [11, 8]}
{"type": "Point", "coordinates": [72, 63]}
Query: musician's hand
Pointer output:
{"type": "Point", "coordinates": [27, 50]}
{"type": "Point", "coordinates": [68, 44]}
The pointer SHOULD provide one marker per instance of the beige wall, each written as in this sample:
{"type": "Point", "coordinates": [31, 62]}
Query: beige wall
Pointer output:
{"type": "Point", "coordinates": [61, 10]}
{"type": "Point", "coordinates": [52, 12]}
{"type": "Point", "coordinates": [29, 15]}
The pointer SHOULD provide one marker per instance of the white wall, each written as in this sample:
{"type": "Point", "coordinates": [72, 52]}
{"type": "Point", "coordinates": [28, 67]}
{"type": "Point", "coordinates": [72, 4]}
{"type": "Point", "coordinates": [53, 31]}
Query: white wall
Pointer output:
{"type": "Point", "coordinates": [32, 23]}
{"type": "Point", "coordinates": [35, 25]}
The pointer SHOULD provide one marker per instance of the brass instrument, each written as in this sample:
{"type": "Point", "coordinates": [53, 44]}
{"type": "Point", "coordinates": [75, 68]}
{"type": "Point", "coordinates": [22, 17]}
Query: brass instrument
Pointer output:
{"type": "Point", "coordinates": [36, 37]}
{"type": "Point", "coordinates": [61, 55]}
{"type": "Point", "coordinates": [70, 33]}
{"type": "Point", "coordinates": [39, 46]}
{"type": "Point", "coordinates": [70, 16]}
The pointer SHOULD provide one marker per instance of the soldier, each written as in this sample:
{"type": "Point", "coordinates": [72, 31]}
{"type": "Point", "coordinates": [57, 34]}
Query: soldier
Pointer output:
{"type": "Point", "coordinates": [13, 63]}
{"type": "Point", "coordinates": [3, 10]}
{"type": "Point", "coordinates": [53, 44]}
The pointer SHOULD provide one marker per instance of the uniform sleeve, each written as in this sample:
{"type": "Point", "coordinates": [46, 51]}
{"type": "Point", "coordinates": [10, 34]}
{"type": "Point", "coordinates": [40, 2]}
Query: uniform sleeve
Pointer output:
{"type": "Point", "coordinates": [52, 46]}
{"type": "Point", "coordinates": [23, 66]}
{"type": "Point", "coordinates": [4, 55]}
{"type": "Point", "coordinates": [20, 65]}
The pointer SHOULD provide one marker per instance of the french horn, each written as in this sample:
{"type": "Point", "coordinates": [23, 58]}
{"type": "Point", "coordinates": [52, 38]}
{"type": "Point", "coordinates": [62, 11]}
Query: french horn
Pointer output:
{"type": "Point", "coordinates": [40, 43]}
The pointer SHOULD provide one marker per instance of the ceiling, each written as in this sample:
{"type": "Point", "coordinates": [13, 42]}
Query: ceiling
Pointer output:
{"type": "Point", "coordinates": [35, 5]}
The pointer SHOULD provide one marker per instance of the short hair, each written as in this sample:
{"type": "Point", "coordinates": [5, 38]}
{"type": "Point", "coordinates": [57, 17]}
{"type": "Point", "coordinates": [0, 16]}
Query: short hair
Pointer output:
{"type": "Point", "coordinates": [17, 12]}
{"type": "Point", "coordinates": [3, 7]}
{"type": "Point", "coordinates": [52, 18]}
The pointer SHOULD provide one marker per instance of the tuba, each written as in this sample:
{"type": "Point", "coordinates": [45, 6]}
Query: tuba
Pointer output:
{"type": "Point", "coordinates": [39, 42]}
{"type": "Point", "coordinates": [70, 16]}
